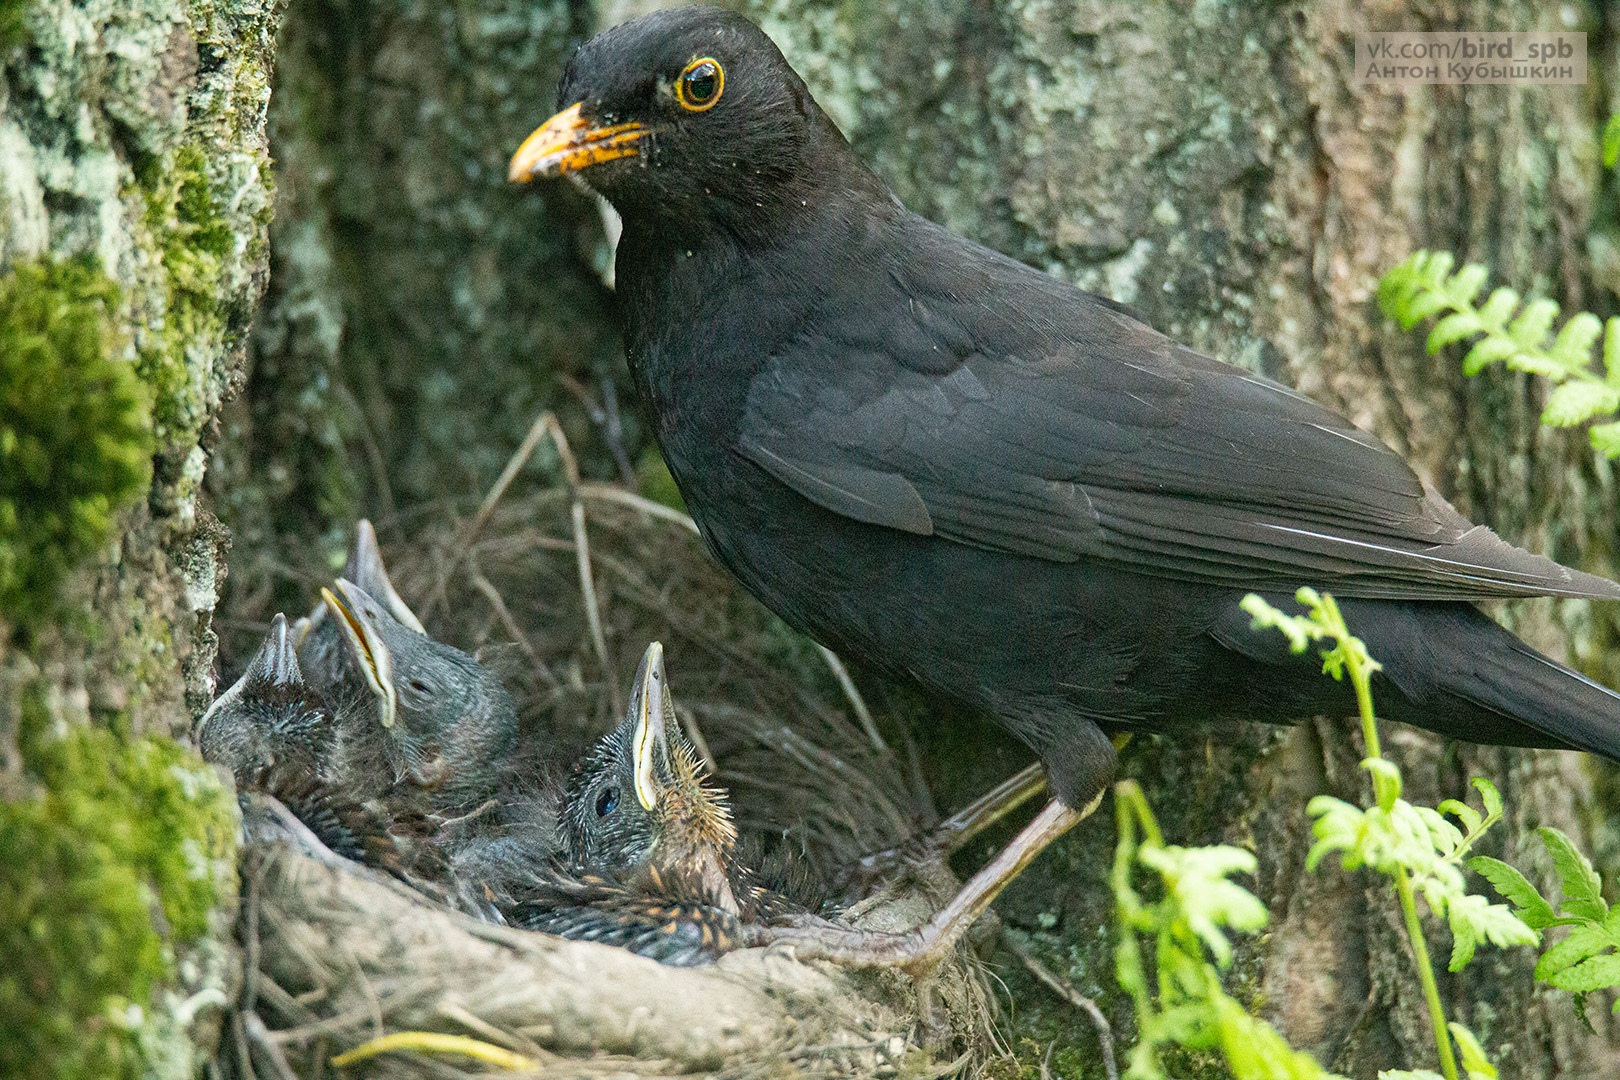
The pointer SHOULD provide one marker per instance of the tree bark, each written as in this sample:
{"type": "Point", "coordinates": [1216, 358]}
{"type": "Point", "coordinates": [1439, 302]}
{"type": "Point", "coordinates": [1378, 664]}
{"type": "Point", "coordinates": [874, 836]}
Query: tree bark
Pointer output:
{"type": "Point", "coordinates": [134, 205]}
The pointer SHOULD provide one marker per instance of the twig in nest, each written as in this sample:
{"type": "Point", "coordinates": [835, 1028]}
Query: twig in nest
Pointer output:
{"type": "Point", "coordinates": [259, 1037]}
{"type": "Point", "coordinates": [856, 702]}
{"type": "Point", "coordinates": [514, 1042]}
{"type": "Point", "coordinates": [587, 588]}
{"type": "Point", "coordinates": [251, 901]}
{"type": "Point", "coordinates": [1065, 990]}
{"type": "Point", "coordinates": [608, 493]}
{"type": "Point", "coordinates": [509, 624]}
{"type": "Point", "coordinates": [434, 1042]}
{"type": "Point", "coordinates": [545, 424]}
{"type": "Point", "coordinates": [606, 418]}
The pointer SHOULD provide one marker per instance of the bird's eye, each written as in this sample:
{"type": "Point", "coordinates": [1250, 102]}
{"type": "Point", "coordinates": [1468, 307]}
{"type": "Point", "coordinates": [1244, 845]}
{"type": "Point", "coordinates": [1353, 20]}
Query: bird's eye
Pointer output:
{"type": "Point", "coordinates": [420, 687]}
{"type": "Point", "coordinates": [608, 801]}
{"type": "Point", "coordinates": [700, 85]}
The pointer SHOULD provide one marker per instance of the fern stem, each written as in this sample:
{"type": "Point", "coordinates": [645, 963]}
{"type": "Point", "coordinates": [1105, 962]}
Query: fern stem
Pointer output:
{"type": "Point", "coordinates": [1361, 679]}
{"type": "Point", "coordinates": [1431, 988]}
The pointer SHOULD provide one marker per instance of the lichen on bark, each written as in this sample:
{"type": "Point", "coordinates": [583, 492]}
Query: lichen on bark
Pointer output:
{"type": "Point", "coordinates": [134, 202]}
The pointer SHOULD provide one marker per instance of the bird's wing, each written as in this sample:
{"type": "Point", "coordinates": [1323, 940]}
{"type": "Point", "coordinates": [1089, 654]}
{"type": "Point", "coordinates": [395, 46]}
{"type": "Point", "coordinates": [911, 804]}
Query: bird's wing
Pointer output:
{"type": "Point", "coordinates": [965, 396]}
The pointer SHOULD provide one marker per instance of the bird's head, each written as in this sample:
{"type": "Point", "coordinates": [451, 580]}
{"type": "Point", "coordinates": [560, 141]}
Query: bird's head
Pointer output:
{"type": "Point", "coordinates": [266, 714]}
{"type": "Point", "coordinates": [640, 800]}
{"type": "Point", "coordinates": [448, 716]}
{"type": "Point", "coordinates": [685, 117]}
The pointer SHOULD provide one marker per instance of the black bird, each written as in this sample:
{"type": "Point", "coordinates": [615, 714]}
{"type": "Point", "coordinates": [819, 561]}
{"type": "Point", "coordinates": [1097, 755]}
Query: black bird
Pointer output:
{"type": "Point", "coordinates": [442, 721]}
{"type": "Point", "coordinates": [647, 849]}
{"type": "Point", "coordinates": [950, 466]}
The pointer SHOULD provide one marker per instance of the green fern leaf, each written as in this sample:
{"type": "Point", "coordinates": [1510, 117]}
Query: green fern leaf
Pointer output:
{"type": "Point", "coordinates": [1454, 327]}
{"type": "Point", "coordinates": [1577, 401]}
{"type": "Point", "coordinates": [1598, 973]}
{"type": "Point", "coordinates": [1516, 889]}
{"type": "Point", "coordinates": [1611, 351]}
{"type": "Point", "coordinates": [1582, 887]}
{"type": "Point", "coordinates": [1466, 285]}
{"type": "Point", "coordinates": [1573, 347]}
{"type": "Point", "coordinates": [1583, 943]}
{"type": "Point", "coordinates": [1530, 328]}
{"type": "Point", "coordinates": [1499, 308]}
{"type": "Point", "coordinates": [1488, 351]}
{"type": "Point", "coordinates": [1606, 439]}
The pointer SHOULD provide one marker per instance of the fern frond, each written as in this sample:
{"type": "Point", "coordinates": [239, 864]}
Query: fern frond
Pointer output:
{"type": "Point", "coordinates": [1424, 287]}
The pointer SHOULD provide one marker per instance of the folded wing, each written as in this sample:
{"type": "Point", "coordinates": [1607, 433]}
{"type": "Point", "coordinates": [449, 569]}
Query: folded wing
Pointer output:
{"type": "Point", "coordinates": [1056, 426]}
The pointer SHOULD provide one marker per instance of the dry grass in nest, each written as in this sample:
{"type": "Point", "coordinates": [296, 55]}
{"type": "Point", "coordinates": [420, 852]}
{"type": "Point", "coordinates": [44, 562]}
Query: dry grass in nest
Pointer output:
{"type": "Point", "coordinates": [561, 589]}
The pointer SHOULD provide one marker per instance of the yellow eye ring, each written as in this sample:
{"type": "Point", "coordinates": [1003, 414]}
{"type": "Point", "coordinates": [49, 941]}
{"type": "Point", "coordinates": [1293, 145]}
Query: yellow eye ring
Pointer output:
{"type": "Point", "coordinates": [700, 84]}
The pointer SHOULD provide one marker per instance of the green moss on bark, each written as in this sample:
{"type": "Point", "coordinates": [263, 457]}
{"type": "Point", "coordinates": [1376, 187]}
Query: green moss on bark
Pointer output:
{"type": "Point", "coordinates": [195, 240]}
{"type": "Point", "coordinates": [13, 31]}
{"type": "Point", "coordinates": [75, 429]}
{"type": "Point", "coordinates": [129, 844]}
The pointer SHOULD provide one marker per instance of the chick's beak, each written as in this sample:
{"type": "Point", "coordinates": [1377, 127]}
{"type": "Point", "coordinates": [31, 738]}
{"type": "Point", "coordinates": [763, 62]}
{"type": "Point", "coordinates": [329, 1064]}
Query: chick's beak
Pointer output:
{"type": "Point", "coordinates": [568, 143]}
{"type": "Point", "coordinates": [365, 568]}
{"type": "Point", "coordinates": [649, 701]}
{"type": "Point", "coordinates": [366, 646]}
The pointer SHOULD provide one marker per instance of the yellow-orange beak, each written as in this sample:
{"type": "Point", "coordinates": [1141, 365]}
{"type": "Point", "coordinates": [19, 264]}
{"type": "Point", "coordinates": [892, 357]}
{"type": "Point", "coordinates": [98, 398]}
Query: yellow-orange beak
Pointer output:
{"type": "Point", "coordinates": [568, 143]}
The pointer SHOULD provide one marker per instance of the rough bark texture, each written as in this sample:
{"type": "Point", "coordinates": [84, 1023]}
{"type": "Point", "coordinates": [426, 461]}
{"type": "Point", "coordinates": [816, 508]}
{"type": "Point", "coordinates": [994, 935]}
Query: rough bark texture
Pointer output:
{"type": "Point", "coordinates": [419, 304]}
{"type": "Point", "coordinates": [134, 205]}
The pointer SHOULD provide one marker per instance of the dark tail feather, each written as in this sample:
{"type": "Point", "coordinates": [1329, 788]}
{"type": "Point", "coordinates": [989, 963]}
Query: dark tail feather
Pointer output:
{"type": "Point", "coordinates": [1485, 685]}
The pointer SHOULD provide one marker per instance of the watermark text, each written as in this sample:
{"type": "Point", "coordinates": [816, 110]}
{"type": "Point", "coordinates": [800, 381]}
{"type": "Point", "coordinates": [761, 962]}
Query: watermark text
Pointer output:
{"type": "Point", "coordinates": [1512, 59]}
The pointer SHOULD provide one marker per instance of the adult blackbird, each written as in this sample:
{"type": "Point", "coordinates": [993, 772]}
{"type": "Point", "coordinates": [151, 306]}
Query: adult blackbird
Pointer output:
{"type": "Point", "coordinates": [948, 465]}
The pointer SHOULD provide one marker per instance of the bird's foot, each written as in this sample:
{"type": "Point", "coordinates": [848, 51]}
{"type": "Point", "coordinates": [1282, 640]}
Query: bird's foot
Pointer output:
{"type": "Point", "coordinates": [918, 952]}
{"type": "Point", "coordinates": [946, 838]}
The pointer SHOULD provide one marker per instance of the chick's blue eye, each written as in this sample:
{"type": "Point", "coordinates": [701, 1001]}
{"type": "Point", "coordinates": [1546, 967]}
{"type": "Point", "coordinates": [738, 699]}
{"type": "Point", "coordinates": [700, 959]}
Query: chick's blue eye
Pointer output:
{"type": "Point", "coordinates": [607, 802]}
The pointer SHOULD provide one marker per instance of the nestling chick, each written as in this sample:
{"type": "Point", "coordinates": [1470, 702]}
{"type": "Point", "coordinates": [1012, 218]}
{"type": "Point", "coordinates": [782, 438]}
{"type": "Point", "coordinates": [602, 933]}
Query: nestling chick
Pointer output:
{"type": "Point", "coordinates": [270, 718]}
{"type": "Point", "coordinates": [647, 860]}
{"type": "Point", "coordinates": [448, 723]}
{"type": "Point", "coordinates": [319, 639]}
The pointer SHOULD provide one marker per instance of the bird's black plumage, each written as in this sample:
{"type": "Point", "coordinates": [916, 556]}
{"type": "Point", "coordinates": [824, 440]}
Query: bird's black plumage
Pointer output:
{"type": "Point", "coordinates": [946, 464]}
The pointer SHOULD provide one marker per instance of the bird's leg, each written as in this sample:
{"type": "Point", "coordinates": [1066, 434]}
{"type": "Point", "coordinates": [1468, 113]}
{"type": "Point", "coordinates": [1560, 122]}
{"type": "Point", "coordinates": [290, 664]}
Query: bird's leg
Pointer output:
{"type": "Point", "coordinates": [919, 951]}
{"type": "Point", "coordinates": [954, 833]}
{"type": "Point", "coordinates": [949, 836]}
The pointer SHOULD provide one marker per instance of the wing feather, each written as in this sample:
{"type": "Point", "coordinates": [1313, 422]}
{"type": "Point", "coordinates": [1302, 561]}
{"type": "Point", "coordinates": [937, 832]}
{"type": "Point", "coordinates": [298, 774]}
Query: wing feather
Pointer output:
{"type": "Point", "coordinates": [1055, 426]}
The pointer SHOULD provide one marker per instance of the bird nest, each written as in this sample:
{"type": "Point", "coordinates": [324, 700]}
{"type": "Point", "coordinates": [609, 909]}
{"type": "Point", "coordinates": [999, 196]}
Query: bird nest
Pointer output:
{"type": "Point", "coordinates": [561, 589]}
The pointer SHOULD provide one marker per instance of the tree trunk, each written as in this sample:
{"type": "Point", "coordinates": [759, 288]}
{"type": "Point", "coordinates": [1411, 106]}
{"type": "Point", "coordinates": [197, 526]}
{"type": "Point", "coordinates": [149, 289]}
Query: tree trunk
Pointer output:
{"type": "Point", "coordinates": [134, 206]}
